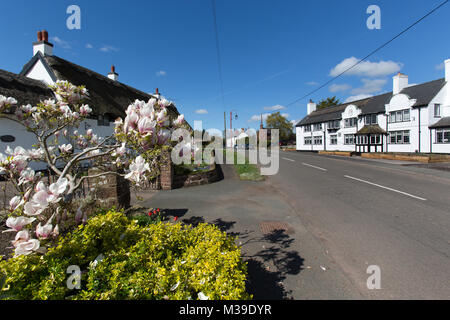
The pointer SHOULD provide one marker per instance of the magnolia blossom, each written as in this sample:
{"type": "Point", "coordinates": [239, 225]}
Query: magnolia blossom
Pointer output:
{"type": "Point", "coordinates": [85, 110]}
{"type": "Point", "coordinates": [163, 136]}
{"type": "Point", "coordinates": [26, 247]}
{"type": "Point", "coordinates": [15, 202]}
{"type": "Point", "coordinates": [146, 125]}
{"type": "Point", "coordinates": [4, 101]}
{"type": "Point", "coordinates": [137, 168]}
{"type": "Point", "coordinates": [44, 232]}
{"type": "Point", "coordinates": [17, 223]}
{"type": "Point", "coordinates": [179, 121]}
{"type": "Point", "coordinates": [44, 197]}
{"type": "Point", "coordinates": [27, 176]}
{"type": "Point", "coordinates": [65, 148]}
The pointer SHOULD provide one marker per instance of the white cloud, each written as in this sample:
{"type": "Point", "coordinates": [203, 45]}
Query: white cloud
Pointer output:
{"type": "Point", "coordinates": [257, 117]}
{"type": "Point", "coordinates": [89, 46]}
{"type": "Point", "coordinates": [161, 73]}
{"type": "Point", "coordinates": [357, 97]}
{"type": "Point", "coordinates": [366, 68]}
{"type": "Point", "coordinates": [201, 111]}
{"type": "Point", "coordinates": [340, 87]}
{"type": "Point", "coordinates": [61, 42]}
{"type": "Point", "coordinates": [370, 86]}
{"type": "Point", "coordinates": [275, 108]}
{"type": "Point", "coordinates": [312, 83]}
{"type": "Point", "coordinates": [108, 48]}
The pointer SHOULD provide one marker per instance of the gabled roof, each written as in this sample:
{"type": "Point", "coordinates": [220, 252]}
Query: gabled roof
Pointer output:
{"type": "Point", "coordinates": [106, 96]}
{"type": "Point", "coordinates": [376, 104]}
{"type": "Point", "coordinates": [330, 113]}
{"type": "Point", "coordinates": [424, 92]}
{"type": "Point", "coordinates": [23, 89]}
{"type": "Point", "coordinates": [442, 123]}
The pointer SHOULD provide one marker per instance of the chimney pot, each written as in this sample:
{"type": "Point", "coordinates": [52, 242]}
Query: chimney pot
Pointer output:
{"type": "Point", "coordinates": [113, 69]}
{"type": "Point", "coordinates": [45, 35]}
{"type": "Point", "coordinates": [39, 36]}
{"type": "Point", "coordinates": [157, 91]}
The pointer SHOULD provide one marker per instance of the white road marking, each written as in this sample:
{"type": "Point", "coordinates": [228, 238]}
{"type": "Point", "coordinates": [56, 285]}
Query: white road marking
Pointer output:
{"type": "Point", "coordinates": [288, 159]}
{"type": "Point", "coordinates": [387, 188]}
{"type": "Point", "coordinates": [310, 165]}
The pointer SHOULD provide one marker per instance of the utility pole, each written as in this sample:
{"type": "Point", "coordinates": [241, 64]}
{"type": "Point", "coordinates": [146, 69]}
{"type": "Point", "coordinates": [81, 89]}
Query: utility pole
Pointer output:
{"type": "Point", "coordinates": [225, 127]}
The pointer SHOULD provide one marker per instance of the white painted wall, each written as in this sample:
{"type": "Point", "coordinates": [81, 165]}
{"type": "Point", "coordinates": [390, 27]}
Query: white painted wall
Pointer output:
{"type": "Point", "coordinates": [38, 72]}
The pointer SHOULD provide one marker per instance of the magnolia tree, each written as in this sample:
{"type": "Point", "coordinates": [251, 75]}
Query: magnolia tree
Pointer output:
{"type": "Point", "coordinates": [133, 151]}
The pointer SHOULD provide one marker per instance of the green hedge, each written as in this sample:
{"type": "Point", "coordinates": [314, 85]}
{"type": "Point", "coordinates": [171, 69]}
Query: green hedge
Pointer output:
{"type": "Point", "coordinates": [159, 261]}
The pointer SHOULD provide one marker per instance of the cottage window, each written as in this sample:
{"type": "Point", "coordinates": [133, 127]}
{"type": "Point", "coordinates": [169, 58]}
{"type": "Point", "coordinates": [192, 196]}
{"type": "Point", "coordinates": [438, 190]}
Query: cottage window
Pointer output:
{"type": "Point", "coordinates": [308, 140]}
{"type": "Point", "coordinates": [349, 139]}
{"type": "Point", "coordinates": [443, 136]}
{"type": "Point", "coordinates": [437, 110]}
{"type": "Point", "coordinates": [317, 127]}
{"type": "Point", "coordinates": [333, 139]}
{"type": "Point", "coordinates": [399, 137]}
{"type": "Point", "coordinates": [307, 128]}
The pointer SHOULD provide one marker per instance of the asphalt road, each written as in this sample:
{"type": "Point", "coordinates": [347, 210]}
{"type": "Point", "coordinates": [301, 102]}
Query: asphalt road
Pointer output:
{"type": "Point", "coordinates": [374, 213]}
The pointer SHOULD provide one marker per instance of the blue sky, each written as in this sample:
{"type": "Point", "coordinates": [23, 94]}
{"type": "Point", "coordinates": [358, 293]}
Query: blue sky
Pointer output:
{"type": "Point", "coordinates": [272, 52]}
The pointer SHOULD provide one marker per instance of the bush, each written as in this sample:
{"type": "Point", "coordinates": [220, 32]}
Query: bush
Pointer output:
{"type": "Point", "coordinates": [159, 261]}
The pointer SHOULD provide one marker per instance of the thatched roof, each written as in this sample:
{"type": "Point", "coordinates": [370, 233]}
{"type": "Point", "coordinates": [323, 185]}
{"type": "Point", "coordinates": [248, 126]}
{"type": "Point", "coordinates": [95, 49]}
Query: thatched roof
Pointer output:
{"type": "Point", "coordinates": [107, 97]}
{"type": "Point", "coordinates": [23, 89]}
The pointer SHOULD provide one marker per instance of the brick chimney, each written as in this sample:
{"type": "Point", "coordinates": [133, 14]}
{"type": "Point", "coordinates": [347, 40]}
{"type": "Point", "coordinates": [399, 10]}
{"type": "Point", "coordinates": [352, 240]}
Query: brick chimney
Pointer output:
{"type": "Point", "coordinates": [42, 45]}
{"type": "Point", "coordinates": [113, 75]}
{"type": "Point", "coordinates": [157, 94]}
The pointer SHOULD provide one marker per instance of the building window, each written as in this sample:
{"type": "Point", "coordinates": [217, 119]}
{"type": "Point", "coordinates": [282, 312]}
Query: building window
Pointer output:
{"type": "Point", "coordinates": [400, 116]}
{"type": "Point", "coordinates": [307, 128]}
{"type": "Point", "coordinates": [333, 139]}
{"type": "Point", "coordinates": [443, 135]}
{"type": "Point", "coordinates": [308, 140]}
{"type": "Point", "coordinates": [318, 140]}
{"type": "Point", "coordinates": [349, 139]}
{"type": "Point", "coordinates": [370, 119]}
{"type": "Point", "coordinates": [375, 139]}
{"type": "Point", "coordinates": [362, 140]}
{"type": "Point", "coordinates": [103, 120]}
{"type": "Point", "coordinates": [399, 137]}
{"type": "Point", "coordinates": [335, 124]}
{"type": "Point", "coordinates": [349, 123]}
{"type": "Point", "coordinates": [317, 127]}
{"type": "Point", "coordinates": [437, 110]}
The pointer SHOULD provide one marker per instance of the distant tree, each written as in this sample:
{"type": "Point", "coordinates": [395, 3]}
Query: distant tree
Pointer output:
{"type": "Point", "coordinates": [328, 102]}
{"type": "Point", "coordinates": [277, 121]}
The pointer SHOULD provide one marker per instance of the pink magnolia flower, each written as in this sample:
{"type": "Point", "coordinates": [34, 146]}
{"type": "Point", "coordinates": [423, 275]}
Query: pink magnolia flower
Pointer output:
{"type": "Point", "coordinates": [146, 125]}
{"type": "Point", "coordinates": [85, 110]}
{"type": "Point", "coordinates": [26, 176]}
{"type": "Point", "coordinates": [44, 232]}
{"type": "Point", "coordinates": [163, 136]}
{"type": "Point", "coordinates": [26, 247]}
{"type": "Point", "coordinates": [179, 121]}
{"type": "Point", "coordinates": [17, 223]}
{"type": "Point", "coordinates": [15, 202]}
{"type": "Point", "coordinates": [65, 148]}
{"type": "Point", "coordinates": [137, 168]}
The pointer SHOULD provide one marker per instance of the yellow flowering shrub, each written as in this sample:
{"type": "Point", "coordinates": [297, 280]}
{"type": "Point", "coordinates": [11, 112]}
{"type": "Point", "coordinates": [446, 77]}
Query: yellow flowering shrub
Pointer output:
{"type": "Point", "coordinates": [159, 261]}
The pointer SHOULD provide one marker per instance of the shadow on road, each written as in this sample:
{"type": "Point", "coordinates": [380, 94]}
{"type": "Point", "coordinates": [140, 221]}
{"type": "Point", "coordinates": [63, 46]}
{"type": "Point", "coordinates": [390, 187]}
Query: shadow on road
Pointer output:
{"type": "Point", "coordinates": [267, 268]}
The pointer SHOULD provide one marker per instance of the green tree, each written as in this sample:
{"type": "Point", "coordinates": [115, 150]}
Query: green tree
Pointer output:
{"type": "Point", "coordinates": [277, 121]}
{"type": "Point", "coordinates": [328, 102]}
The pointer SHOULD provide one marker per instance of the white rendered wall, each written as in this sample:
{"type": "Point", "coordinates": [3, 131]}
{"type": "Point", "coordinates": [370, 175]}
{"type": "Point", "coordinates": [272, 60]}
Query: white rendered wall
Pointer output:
{"type": "Point", "coordinates": [38, 72]}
